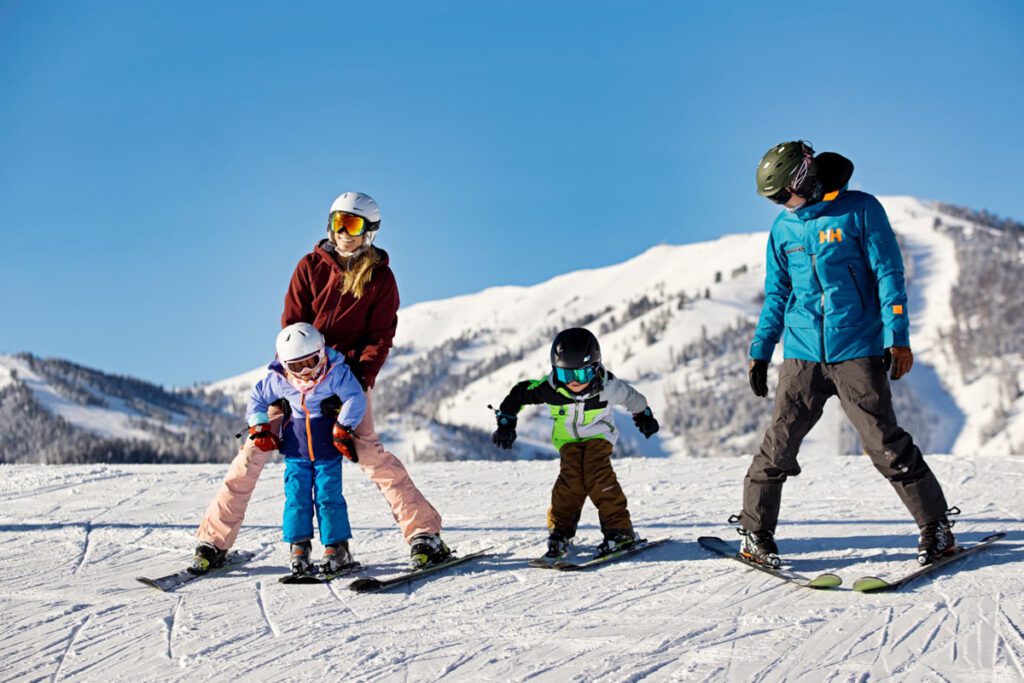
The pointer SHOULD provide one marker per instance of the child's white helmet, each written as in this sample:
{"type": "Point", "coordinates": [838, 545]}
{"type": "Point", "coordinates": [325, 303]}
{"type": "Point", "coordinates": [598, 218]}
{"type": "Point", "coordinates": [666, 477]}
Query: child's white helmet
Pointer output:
{"type": "Point", "coordinates": [299, 340]}
{"type": "Point", "coordinates": [300, 348]}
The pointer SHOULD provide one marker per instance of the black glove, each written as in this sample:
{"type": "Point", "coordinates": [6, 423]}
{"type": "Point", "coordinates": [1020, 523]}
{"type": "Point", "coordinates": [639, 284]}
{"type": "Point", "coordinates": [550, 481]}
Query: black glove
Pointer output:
{"type": "Point", "coordinates": [645, 422]}
{"type": "Point", "coordinates": [758, 376]}
{"type": "Point", "coordinates": [505, 435]}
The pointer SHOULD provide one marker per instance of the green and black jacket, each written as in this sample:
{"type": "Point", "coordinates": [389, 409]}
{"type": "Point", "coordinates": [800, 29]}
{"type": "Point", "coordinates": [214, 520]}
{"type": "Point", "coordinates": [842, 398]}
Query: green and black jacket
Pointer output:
{"type": "Point", "coordinates": [577, 417]}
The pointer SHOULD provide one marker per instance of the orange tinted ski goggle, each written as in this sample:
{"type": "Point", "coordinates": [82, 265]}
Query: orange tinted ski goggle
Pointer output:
{"type": "Point", "coordinates": [354, 225]}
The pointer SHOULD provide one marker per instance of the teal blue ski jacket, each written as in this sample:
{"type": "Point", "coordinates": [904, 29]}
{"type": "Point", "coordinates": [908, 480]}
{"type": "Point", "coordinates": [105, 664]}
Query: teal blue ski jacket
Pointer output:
{"type": "Point", "coordinates": [834, 282]}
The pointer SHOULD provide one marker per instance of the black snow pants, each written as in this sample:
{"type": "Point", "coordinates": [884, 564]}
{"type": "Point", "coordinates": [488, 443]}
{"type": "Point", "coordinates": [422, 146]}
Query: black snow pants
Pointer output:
{"type": "Point", "coordinates": [863, 390]}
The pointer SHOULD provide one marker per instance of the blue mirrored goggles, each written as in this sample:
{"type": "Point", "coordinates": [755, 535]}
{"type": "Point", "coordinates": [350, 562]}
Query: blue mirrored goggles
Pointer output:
{"type": "Point", "coordinates": [581, 375]}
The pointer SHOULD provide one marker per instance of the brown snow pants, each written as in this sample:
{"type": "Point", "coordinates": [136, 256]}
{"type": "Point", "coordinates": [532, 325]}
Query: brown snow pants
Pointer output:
{"type": "Point", "coordinates": [863, 390]}
{"type": "Point", "coordinates": [586, 471]}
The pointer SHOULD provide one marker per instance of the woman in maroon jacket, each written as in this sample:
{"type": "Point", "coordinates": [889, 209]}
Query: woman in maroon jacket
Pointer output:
{"type": "Point", "coordinates": [346, 289]}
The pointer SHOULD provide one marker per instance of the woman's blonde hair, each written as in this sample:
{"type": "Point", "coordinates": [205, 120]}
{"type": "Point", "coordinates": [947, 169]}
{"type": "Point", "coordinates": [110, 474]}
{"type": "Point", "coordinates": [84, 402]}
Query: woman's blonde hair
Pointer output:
{"type": "Point", "coordinates": [360, 272]}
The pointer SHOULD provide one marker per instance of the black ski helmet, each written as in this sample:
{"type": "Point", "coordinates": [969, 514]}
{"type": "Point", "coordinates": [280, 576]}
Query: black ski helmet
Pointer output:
{"type": "Point", "coordinates": [788, 166]}
{"type": "Point", "coordinates": [575, 348]}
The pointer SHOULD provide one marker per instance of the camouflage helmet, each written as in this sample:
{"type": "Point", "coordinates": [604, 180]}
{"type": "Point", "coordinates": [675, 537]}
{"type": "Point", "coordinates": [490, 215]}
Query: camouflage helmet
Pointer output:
{"type": "Point", "coordinates": [787, 166]}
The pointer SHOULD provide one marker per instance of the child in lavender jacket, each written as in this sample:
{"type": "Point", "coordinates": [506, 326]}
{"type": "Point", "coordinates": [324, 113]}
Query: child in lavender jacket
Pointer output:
{"type": "Point", "coordinates": [327, 402]}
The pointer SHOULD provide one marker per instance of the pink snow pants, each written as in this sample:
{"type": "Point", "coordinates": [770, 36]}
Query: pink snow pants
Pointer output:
{"type": "Point", "coordinates": [409, 507]}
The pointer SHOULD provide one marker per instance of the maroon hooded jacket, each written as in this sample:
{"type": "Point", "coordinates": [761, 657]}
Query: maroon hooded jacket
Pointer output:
{"type": "Point", "coordinates": [361, 329]}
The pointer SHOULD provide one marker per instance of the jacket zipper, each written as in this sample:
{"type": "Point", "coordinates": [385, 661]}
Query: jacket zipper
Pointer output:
{"type": "Point", "coordinates": [814, 267]}
{"type": "Point", "coordinates": [856, 285]}
{"type": "Point", "coordinates": [309, 430]}
{"type": "Point", "coordinates": [576, 414]}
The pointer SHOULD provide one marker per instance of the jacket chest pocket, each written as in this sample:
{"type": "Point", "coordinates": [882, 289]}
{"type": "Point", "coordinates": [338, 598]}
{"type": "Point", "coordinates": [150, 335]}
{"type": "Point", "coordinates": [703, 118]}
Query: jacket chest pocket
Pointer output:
{"type": "Point", "coordinates": [796, 256]}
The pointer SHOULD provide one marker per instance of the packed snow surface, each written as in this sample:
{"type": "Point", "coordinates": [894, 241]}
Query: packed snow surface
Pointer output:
{"type": "Point", "coordinates": [74, 538]}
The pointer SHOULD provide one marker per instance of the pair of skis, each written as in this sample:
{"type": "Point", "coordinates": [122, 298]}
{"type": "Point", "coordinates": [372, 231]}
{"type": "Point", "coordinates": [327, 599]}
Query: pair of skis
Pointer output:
{"type": "Point", "coordinates": [372, 585]}
{"type": "Point", "coordinates": [364, 585]}
{"type": "Point", "coordinates": [317, 576]}
{"type": "Point", "coordinates": [598, 560]}
{"type": "Point", "coordinates": [866, 584]}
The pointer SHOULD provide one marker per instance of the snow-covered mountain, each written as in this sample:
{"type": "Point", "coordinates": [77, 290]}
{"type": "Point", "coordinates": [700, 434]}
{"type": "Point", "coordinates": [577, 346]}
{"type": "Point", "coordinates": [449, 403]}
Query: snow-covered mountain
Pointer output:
{"type": "Point", "coordinates": [54, 411]}
{"type": "Point", "coordinates": [676, 321]}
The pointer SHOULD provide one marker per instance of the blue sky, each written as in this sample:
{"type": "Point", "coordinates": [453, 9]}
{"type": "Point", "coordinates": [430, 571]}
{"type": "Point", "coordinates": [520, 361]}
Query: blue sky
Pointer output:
{"type": "Point", "coordinates": [163, 166]}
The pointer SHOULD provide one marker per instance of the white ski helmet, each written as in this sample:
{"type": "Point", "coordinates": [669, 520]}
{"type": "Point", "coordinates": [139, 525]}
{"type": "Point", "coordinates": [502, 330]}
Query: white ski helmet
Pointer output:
{"type": "Point", "coordinates": [359, 204]}
{"type": "Point", "coordinates": [299, 340]}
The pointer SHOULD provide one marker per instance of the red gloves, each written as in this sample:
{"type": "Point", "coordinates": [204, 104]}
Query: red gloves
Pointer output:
{"type": "Point", "coordinates": [344, 443]}
{"type": "Point", "coordinates": [264, 438]}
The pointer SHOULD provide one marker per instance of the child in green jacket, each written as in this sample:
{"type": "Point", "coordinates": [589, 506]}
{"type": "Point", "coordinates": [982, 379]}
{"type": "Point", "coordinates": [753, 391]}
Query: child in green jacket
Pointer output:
{"type": "Point", "coordinates": [580, 393]}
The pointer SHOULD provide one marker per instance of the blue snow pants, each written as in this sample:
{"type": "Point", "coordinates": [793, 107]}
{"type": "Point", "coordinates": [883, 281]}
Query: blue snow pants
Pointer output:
{"type": "Point", "coordinates": [309, 483]}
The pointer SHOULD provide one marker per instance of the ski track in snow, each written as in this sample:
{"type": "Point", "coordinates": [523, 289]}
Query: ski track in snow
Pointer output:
{"type": "Point", "coordinates": [77, 629]}
{"type": "Point", "coordinates": [676, 612]}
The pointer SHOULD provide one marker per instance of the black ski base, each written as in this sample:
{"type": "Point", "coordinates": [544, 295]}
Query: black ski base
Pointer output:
{"type": "Point", "coordinates": [873, 584]}
{"type": "Point", "coordinates": [726, 549]}
{"type": "Point", "coordinates": [371, 585]}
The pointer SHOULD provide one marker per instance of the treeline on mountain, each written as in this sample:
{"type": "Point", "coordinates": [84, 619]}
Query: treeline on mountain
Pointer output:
{"type": "Point", "coordinates": [183, 426]}
{"type": "Point", "coordinates": [988, 308]}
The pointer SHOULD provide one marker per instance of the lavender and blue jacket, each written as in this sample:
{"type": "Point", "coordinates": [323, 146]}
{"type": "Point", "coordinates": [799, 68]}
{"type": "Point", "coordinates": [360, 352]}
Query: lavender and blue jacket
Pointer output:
{"type": "Point", "coordinates": [308, 433]}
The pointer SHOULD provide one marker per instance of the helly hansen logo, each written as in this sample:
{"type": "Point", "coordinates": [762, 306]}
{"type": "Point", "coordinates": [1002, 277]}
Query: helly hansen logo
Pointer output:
{"type": "Point", "coordinates": [830, 235]}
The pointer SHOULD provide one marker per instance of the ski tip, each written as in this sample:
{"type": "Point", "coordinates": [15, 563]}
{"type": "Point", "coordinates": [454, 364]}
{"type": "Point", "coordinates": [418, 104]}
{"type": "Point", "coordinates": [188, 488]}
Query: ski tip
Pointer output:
{"type": "Point", "coordinates": [364, 585]}
{"type": "Point", "coordinates": [870, 584]}
{"type": "Point", "coordinates": [300, 578]}
{"type": "Point", "coordinates": [993, 537]}
{"type": "Point", "coordinates": [825, 581]}
{"type": "Point", "coordinates": [151, 583]}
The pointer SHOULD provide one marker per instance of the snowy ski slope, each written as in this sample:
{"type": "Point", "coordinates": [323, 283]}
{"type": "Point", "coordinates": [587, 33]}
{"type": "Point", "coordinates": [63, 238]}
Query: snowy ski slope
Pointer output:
{"type": "Point", "coordinates": [73, 539]}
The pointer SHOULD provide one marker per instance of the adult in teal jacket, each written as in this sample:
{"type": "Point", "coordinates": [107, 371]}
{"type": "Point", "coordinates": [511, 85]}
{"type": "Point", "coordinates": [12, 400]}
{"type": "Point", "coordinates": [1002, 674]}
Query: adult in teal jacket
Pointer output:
{"type": "Point", "coordinates": [834, 283]}
{"type": "Point", "coordinates": [834, 290]}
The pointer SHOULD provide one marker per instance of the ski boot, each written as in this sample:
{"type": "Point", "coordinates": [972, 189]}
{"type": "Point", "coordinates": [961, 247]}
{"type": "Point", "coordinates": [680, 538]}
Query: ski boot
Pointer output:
{"type": "Point", "coordinates": [558, 548]}
{"type": "Point", "coordinates": [426, 550]}
{"type": "Point", "coordinates": [336, 558]}
{"type": "Point", "coordinates": [759, 546]}
{"type": "Point", "coordinates": [937, 540]}
{"type": "Point", "coordinates": [300, 552]}
{"type": "Point", "coordinates": [616, 540]}
{"type": "Point", "coordinates": [207, 557]}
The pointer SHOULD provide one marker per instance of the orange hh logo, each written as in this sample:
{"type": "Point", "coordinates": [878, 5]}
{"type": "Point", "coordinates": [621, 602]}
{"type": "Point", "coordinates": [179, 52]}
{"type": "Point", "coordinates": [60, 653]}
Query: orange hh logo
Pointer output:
{"type": "Point", "coordinates": [830, 235]}
{"type": "Point", "coordinates": [897, 309]}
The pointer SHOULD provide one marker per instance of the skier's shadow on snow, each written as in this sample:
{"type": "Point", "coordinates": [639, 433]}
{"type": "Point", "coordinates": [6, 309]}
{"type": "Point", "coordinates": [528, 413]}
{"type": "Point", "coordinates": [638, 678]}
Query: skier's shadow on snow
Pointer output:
{"type": "Point", "coordinates": [672, 550]}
